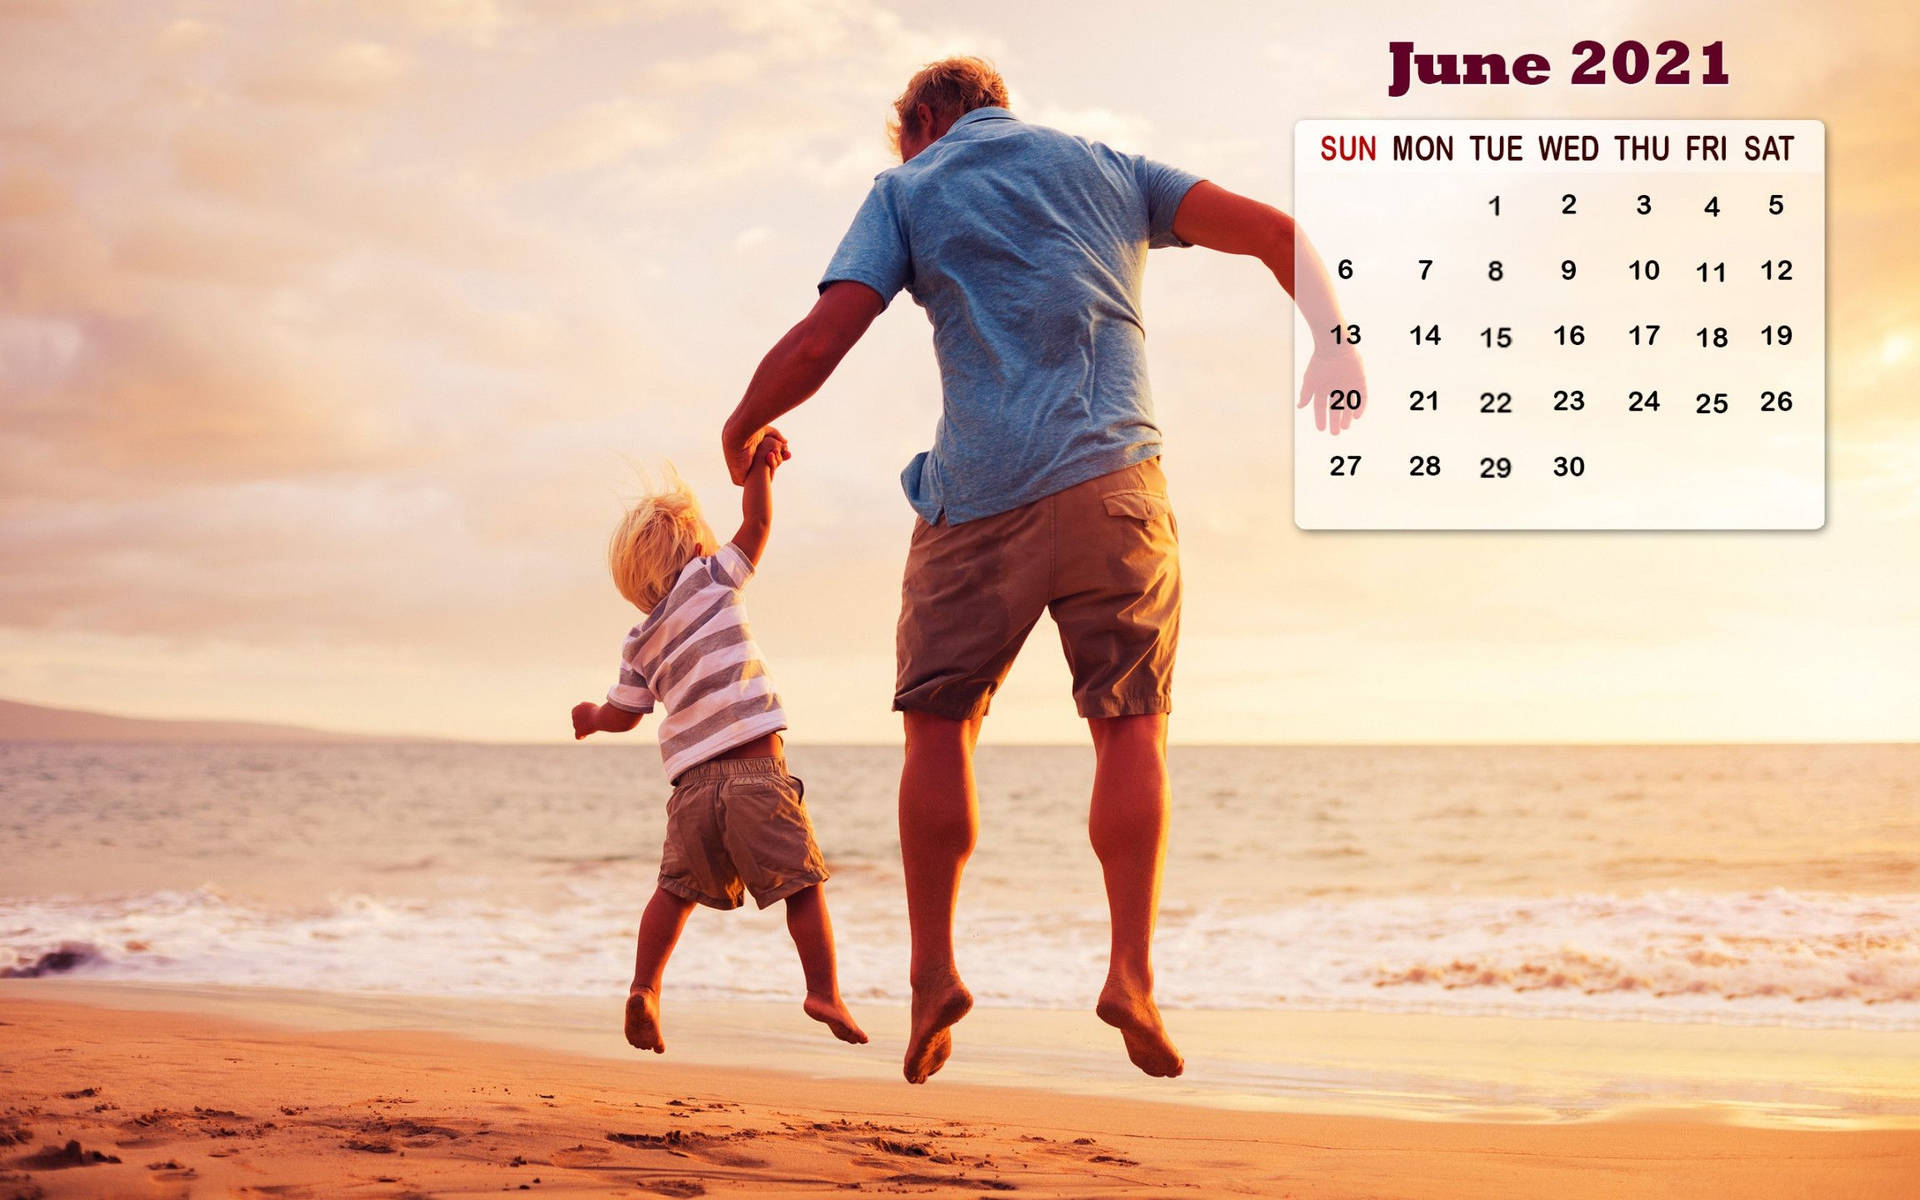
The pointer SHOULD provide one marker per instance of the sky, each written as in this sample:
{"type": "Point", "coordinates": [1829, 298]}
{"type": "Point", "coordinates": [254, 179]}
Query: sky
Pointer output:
{"type": "Point", "coordinates": [333, 337]}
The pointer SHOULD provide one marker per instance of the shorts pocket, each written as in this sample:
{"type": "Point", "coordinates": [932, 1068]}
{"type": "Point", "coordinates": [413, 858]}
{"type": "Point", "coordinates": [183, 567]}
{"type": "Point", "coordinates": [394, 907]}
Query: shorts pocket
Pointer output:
{"type": "Point", "coordinates": [1145, 506]}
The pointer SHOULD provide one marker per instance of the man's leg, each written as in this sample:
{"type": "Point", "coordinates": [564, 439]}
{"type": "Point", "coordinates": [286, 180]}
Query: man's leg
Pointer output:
{"type": "Point", "coordinates": [1116, 600]}
{"type": "Point", "coordinates": [969, 596]}
{"type": "Point", "coordinates": [1128, 824]}
{"type": "Point", "coordinates": [939, 819]}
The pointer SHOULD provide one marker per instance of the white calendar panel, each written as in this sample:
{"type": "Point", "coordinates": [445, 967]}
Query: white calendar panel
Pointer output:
{"type": "Point", "coordinates": [1569, 324]}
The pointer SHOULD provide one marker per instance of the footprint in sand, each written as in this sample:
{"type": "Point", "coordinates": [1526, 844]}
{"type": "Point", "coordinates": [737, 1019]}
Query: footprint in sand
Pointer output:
{"type": "Point", "coordinates": [177, 1184]}
{"type": "Point", "coordinates": [949, 1181]}
{"type": "Point", "coordinates": [691, 1143]}
{"type": "Point", "coordinates": [368, 1145]}
{"type": "Point", "coordinates": [160, 1125]}
{"type": "Point", "coordinates": [580, 1156]}
{"type": "Point", "coordinates": [672, 1139]}
{"type": "Point", "coordinates": [906, 1150]}
{"type": "Point", "coordinates": [1085, 1148]}
{"type": "Point", "coordinates": [60, 1158]}
{"type": "Point", "coordinates": [585, 1157]}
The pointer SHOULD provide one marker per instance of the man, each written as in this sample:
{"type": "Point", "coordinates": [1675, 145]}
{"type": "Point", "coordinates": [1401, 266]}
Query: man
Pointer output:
{"type": "Point", "coordinates": [1043, 488]}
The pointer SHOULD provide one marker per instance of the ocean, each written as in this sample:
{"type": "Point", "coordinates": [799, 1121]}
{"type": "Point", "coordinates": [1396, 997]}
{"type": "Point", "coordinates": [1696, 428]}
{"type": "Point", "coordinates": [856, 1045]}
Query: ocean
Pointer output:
{"type": "Point", "coordinates": [1742, 885]}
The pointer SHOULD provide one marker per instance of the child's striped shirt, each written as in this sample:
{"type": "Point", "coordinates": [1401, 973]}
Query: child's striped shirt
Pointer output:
{"type": "Point", "coordinates": [695, 655]}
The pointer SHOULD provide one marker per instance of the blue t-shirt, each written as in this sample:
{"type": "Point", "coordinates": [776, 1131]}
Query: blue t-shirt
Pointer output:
{"type": "Point", "coordinates": [1026, 246]}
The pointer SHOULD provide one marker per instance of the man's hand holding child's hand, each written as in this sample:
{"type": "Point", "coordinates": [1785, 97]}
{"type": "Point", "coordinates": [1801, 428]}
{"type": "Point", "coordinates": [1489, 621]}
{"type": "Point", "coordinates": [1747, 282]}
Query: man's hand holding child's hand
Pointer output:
{"type": "Point", "coordinates": [743, 450]}
{"type": "Point", "coordinates": [770, 453]}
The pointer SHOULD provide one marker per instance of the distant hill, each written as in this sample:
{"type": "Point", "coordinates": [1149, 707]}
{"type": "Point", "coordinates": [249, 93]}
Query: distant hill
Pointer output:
{"type": "Point", "coordinates": [35, 723]}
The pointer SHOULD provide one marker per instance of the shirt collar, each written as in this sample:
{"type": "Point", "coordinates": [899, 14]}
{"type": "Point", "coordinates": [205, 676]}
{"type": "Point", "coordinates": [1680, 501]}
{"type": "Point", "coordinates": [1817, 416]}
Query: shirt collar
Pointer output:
{"type": "Point", "coordinates": [989, 113]}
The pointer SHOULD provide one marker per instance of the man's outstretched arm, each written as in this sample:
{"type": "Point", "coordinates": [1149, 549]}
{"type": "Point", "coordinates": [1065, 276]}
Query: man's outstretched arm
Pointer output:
{"type": "Point", "coordinates": [1218, 219]}
{"type": "Point", "coordinates": [796, 367]}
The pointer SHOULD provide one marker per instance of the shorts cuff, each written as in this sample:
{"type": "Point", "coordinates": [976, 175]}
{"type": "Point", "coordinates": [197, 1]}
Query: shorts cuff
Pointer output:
{"type": "Point", "coordinates": [951, 712]}
{"type": "Point", "coordinates": [798, 883]}
{"type": "Point", "coordinates": [1126, 706]}
{"type": "Point", "coordinates": [687, 891]}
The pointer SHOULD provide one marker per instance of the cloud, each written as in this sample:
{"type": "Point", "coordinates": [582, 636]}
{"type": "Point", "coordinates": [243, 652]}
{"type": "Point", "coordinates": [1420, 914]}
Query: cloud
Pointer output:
{"type": "Point", "coordinates": [596, 135]}
{"type": "Point", "coordinates": [27, 194]}
{"type": "Point", "coordinates": [343, 74]}
{"type": "Point", "coordinates": [478, 21]}
{"type": "Point", "coordinates": [35, 353]}
{"type": "Point", "coordinates": [275, 270]}
{"type": "Point", "coordinates": [1122, 131]}
{"type": "Point", "coordinates": [285, 275]}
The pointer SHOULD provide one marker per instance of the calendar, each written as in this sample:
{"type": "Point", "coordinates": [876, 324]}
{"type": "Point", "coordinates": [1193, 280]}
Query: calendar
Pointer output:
{"type": "Point", "coordinates": [1568, 324]}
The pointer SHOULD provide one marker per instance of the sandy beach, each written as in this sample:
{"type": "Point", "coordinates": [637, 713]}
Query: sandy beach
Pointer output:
{"type": "Point", "coordinates": [120, 1101]}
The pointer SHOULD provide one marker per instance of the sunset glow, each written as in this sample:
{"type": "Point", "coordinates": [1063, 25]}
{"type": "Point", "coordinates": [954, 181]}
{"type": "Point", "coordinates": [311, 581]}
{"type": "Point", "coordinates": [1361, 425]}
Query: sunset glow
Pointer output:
{"type": "Point", "coordinates": [330, 335]}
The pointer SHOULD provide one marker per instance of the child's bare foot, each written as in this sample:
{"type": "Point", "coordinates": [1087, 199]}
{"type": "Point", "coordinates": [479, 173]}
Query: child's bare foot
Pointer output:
{"type": "Point", "coordinates": [936, 1009]}
{"type": "Point", "coordinates": [832, 1012]}
{"type": "Point", "coordinates": [1130, 1009]}
{"type": "Point", "coordinates": [643, 1021]}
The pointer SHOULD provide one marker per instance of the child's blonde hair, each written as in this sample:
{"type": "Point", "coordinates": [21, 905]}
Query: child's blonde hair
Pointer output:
{"type": "Point", "coordinates": [660, 534]}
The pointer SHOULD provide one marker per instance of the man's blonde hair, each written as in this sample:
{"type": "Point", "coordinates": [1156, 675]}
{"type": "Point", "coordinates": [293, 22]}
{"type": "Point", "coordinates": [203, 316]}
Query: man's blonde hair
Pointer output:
{"type": "Point", "coordinates": [950, 87]}
{"type": "Point", "coordinates": [660, 534]}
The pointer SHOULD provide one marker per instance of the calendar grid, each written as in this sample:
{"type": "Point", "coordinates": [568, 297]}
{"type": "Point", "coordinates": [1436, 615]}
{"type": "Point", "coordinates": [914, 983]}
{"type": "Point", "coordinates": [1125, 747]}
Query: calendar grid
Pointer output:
{"type": "Point", "coordinates": [1596, 344]}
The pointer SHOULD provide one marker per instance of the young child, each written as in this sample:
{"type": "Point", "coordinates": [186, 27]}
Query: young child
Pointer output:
{"type": "Point", "coordinates": [736, 817]}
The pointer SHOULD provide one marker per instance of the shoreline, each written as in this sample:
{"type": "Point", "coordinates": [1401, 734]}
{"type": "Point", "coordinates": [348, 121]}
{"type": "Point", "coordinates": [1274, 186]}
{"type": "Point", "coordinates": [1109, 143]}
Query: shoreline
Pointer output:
{"type": "Point", "coordinates": [193, 1100]}
{"type": "Point", "coordinates": [1421, 1068]}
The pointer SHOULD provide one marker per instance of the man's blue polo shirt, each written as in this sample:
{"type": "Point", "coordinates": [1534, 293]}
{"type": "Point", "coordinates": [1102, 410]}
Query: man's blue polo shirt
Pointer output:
{"type": "Point", "coordinates": [1026, 247]}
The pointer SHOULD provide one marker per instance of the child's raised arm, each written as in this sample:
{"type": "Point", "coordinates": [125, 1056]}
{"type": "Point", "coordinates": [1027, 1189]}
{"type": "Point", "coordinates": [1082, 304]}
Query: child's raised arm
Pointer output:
{"type": "Point", "coordinates": [756, 499]}
{"type": "Point", "coordinates": [589, 717]}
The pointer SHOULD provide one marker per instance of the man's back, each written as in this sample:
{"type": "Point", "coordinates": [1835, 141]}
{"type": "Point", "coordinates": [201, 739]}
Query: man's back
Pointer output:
{"type": "Point", "coordinates": [1026, 246]}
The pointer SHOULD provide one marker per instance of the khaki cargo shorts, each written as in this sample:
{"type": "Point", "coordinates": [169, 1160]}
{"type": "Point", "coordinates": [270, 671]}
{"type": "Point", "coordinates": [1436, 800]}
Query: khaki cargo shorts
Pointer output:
{"type": "Point", "coordinates": [734, 823]}
{"type": "Point", "coordinates": [1102, 556]}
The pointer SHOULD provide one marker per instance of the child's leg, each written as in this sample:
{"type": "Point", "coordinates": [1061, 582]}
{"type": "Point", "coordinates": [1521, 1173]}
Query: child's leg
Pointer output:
{"type": "Point", "coordinates": [812, 932]}
{"type": "Point", "coordinates": [660, 928]}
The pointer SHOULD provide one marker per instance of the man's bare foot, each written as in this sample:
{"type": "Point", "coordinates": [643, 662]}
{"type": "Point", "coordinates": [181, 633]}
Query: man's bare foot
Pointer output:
{"type": "Point", "coordinates": [832, 1012]}
{"type": "Point", "coordinates": [1130, 1009]}
{"type": "Point", "coordinates": [643, 1021]}
{"type": "Point", "coordinates": [936, 1008]}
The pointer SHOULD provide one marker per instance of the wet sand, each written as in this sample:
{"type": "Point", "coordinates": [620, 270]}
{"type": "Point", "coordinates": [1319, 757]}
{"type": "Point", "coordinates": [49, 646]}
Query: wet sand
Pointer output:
{"type": "Point", "coordinates": [111, 1101]}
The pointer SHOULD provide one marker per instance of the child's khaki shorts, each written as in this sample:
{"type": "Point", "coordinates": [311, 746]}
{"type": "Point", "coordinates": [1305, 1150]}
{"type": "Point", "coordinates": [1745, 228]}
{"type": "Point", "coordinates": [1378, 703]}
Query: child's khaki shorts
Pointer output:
{"type": "Point", "coordinates": [1102, 556]}
{"type": "Point", "coordinates": [734, 823]}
